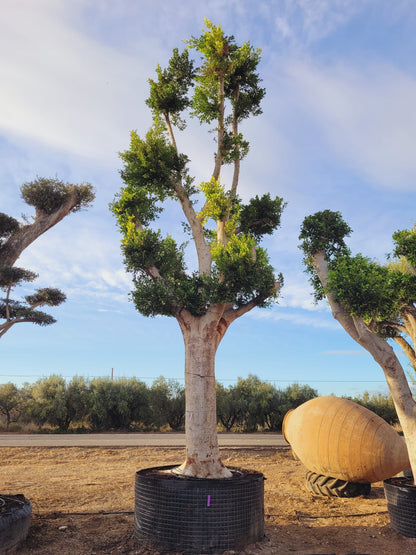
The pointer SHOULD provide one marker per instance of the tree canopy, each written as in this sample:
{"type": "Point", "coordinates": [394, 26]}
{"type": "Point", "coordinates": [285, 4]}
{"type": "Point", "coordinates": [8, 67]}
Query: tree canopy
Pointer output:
{"type": "Point", "coordinates": [232, 267]}
{"type": "Point", "coordinates": [53, 200]}
{"type": "Point", "coordinates": [383, 295]}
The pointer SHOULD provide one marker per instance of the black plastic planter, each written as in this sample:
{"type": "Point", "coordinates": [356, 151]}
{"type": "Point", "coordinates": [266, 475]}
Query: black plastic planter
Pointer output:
{"type": "Point", "coordinates": [15, 512]}
{"type": "Point", "coordinates": [401, 503]}
{"type": "Point", "coordinates": [196, 515]}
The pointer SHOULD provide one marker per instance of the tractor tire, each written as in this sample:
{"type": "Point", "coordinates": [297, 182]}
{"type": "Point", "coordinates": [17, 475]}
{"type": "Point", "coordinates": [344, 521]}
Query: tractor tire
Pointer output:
{"type": "Point", "coordinates": [334, 487]}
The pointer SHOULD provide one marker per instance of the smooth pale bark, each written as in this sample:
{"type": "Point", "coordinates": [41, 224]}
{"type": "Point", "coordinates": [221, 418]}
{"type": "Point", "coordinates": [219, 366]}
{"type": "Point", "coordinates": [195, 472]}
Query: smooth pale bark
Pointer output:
{"type": "Point", "coordinates": [27, 234]}
{"type": "Point", "coordinates": [202, 336]}
{"type": "Point", "coordinates": [383, 354]}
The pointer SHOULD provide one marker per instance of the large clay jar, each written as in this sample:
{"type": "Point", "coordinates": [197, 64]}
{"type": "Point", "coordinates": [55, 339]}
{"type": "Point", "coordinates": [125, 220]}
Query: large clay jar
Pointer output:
{"type": "Point", "coordinates": [339, 438]}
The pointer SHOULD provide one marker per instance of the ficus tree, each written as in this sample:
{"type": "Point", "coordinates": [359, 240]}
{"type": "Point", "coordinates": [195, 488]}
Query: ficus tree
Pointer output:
{"type": "Point", "coordinates": [374, 303]}
{"type": "Point", "coordinates": [53, 200]}
{"type": "Point", "coordinates": [216, 81]}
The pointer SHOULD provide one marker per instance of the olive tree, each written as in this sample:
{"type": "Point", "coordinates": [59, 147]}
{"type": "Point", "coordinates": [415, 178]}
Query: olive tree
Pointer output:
{"type": "Point", "coordinates": [53, 200]}
{"type": "Point", "coordinates": [374, 303]}
{"type": "Point", "coordinates": [11, 402]}
{"type": "Point", "coordinates": [232, 274]}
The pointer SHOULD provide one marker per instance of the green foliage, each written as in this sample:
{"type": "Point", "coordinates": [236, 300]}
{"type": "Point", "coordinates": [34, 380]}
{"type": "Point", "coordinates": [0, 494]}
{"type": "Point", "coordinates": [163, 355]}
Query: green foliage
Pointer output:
{"type": "Point", "coordinates": [242, 83]}
{"type": "Point", "coordinates": [245, 272]}
{"type": "Point", "coordinates": [12, 311]}
{"type": "Point", "coordinates": [134, 206]}
{"type": "Point", "coordinates": [77, 399]}
{"type": "Point", "coordinates": [405, 244]}
{"type": "Point", "coordinates": [8, 226]}
{"type": "Point", "coordinates": [230, 410]}
{"type": "Point", "coordinates": [12, 276]}
{"type": "Point", "coordinates": [167, 404]}
{"type": "Point", "coordinates": [103, 404]}
{"type": "Point", "coordinates": [144, 249]}
{"type": "Point", "coordinates": [363, 287]}
{"type": "Point", "coordinates": [324, 231]}
{"type": "Point", "coordinates": [382, 296]}
{"type": "Point", "coordinates": [48, 404]}
{"type": "Point", "coordinates": [169, 94]}
{"type": "Point", "coordinates": [118, 404]}
{"type": "Point", "coordinates": [254, 396]}
{"type": "Point", "coordinates": [285, 400]}
{"type": "Point", "coordinates": [153, 167]}
{"type": "Point", "coordinates": [217, 203]}
{"type": "Point", "coordinates": [225, 88]}
{"type": "Point", "coordinates": [48, 195]}
{"type": "Point", "coordinates": [11, 402]}
{"type": "Point", "coordinates": [261, 216]}
{"type": "Point", "coordinates": [380, 404]}
{"type": "Point", "coordinates": [46, 296]}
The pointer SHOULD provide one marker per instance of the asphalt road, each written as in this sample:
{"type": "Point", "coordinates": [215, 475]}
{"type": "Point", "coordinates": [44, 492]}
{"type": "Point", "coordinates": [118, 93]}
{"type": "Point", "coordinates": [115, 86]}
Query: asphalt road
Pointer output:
{"type": "Point", "coordinates": [135, 440]}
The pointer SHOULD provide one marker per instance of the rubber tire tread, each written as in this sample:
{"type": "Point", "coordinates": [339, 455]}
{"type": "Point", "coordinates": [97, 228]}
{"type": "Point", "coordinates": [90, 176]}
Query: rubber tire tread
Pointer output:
{"type": "Point", "coordinates": [334, 487]}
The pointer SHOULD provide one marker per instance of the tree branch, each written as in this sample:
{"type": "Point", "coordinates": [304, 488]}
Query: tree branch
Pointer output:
{"type": "Point", "coordinates": [220, 131]}
{"type": "Point", "coordinates": [320, 264]}
{"type": "Point", "coordinates": [17, 243]}
{"type": "Point", "coordinates": [407, 348]}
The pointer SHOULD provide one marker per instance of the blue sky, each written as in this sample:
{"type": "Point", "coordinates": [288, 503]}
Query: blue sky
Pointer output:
{"type": "Point", "coordinates": [338, 131]}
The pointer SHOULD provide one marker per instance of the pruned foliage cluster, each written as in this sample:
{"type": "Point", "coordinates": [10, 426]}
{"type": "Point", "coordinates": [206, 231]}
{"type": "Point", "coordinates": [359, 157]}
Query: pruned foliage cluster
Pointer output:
{"type": "Point", "coordinates": [383, 295]}
{"type": "Point", "coordinates": [51, 198]}
{"type": "Point", "coordinates": [214, 80]}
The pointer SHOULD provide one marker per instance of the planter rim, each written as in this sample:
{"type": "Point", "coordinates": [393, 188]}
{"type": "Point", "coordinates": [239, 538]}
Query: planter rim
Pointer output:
{"type": "Point", "coordinates": [238, 474]}
{"type": "Point", "coordinates": [399, 482]}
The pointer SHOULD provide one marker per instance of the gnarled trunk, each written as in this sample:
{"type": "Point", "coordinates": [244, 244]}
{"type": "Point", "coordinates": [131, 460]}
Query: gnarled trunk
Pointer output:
{"type": "Point", "coordinates": [202, 336]}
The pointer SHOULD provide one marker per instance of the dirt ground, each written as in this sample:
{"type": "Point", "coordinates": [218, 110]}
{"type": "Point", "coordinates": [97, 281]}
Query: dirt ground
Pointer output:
{"type": "Point", "coordinates": [83, 503]}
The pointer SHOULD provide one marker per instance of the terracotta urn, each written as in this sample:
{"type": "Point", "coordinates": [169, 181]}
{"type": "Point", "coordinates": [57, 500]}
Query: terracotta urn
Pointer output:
{"type": "Point", "coordinates": [339, 438]}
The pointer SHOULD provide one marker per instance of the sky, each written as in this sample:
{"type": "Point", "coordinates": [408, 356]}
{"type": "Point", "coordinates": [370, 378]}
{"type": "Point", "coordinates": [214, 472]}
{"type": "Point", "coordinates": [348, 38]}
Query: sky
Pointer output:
{"type": "Point", "coordinates": [338, 131]}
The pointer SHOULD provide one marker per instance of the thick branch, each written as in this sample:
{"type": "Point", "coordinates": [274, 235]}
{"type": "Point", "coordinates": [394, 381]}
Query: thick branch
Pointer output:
{"type": "Point", "coordinates": [17, 243]}
{"type": "Point", "coordinates": [408, 315]}
{"type": "Point", "coordinates": [407, 348]}
{"type": "Point", "coordinates": [202, 249]}
{"type": "Point", "coordinates": [231, 313]}
{"type": "Point", "coordinates": [236, 173]}
{"type": "Point", "coordinates": [170, 131]}
{"type": "Point", "coordinates": [321, 267]}
{"type": "Point", "coordinates": [220, 130]}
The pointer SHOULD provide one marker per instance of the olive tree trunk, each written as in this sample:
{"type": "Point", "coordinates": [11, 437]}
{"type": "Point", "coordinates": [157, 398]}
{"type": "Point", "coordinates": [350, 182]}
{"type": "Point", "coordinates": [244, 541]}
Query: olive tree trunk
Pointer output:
{"type": "Point", "coordinates": [27, 234]}
{"type": "Point", "coordinates": [202, 336]}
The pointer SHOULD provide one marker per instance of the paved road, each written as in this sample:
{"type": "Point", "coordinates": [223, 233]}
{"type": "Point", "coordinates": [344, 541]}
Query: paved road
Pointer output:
{"type": "Point", "coordinates": [134, 440]}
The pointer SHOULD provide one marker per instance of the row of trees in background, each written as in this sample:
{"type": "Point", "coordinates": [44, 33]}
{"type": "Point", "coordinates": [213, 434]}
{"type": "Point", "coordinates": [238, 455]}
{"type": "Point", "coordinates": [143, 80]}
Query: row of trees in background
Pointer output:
{"type": "Point", "coordinates": [99, 404]}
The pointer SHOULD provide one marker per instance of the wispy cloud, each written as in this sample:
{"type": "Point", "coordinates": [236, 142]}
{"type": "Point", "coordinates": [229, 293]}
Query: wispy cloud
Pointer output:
{"type": "Point", "coordinates": [307, 21]}
{"type": "Point", "coordinates": [364, 114]}
{"type": "Point", "coordinates": [62, 88]}
{"type": "Point", "coordinates": [345, 352]}
{"type": "Point", "coordinates": [303, 319]}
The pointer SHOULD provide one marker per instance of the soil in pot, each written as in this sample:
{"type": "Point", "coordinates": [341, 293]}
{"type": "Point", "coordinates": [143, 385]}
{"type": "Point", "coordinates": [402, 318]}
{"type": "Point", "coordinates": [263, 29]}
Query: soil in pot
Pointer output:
{"type": "Point", "coordinates": [196, 515]}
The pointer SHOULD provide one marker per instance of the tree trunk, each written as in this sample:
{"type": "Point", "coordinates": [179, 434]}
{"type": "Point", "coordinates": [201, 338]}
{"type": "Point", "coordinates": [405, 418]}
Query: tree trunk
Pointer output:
{"type": "Point", "coordinates": [27, 234]}
{"type": "Point", "coordinates": [201, 337]}
{"type": "Point", "coordinates": [384, 355]}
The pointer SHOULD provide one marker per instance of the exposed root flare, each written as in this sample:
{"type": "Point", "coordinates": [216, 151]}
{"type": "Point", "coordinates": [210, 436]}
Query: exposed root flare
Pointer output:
{"type": "Point", "coordinates": [211, 470]}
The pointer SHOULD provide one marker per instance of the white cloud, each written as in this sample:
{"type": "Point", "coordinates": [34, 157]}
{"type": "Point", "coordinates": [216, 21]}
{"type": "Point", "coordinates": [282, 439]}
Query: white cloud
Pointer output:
{"type": "Point", "coordinates": [63, 89]}
{"type": "Point", "coordinates": [365, 115]}
{"type": "Point", "coordinates": [345, 352]}
{"type": "Point", "coordinates": [307, 21]}
{"type": "Point", "coordinates": [303, 319]}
